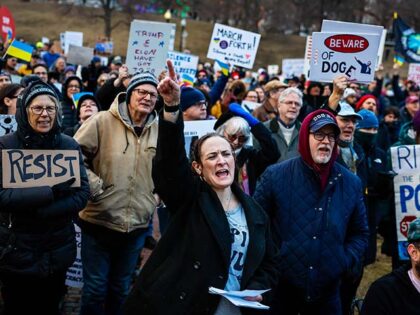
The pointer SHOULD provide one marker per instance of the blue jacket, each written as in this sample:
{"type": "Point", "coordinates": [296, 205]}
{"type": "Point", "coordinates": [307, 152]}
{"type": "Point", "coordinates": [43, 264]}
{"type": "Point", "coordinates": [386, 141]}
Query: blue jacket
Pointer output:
{"type": "Point", "coordinates": [321, 235]}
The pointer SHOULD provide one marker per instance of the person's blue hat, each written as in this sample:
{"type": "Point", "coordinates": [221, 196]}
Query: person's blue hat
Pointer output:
{"type": "Point", "coordinates": [190, 96]}
{"type": "Point", "coordinates": [96, 59]}
{"type": "Point", "coordinates": [368, 120]}
{"type": "Point", "coordinates": [321, 120]}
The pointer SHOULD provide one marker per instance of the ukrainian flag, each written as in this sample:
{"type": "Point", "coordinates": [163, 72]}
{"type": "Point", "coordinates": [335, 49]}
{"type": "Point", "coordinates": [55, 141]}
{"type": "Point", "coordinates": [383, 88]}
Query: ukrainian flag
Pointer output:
{"type": "Point", "coordinates": [76, 97]}
{"type": "Point", "coordinates": [224, 66]}
{"type": "Point", "coordinates": [399, 60]}
{"type": "Point", "coordinates": [187, 79]}
{"type": "Point", "coordinates": [20, 50]}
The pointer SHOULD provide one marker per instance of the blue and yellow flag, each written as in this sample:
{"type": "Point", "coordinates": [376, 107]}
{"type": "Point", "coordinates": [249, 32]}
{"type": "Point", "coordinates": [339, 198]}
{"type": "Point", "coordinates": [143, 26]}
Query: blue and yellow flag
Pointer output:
{"type": "Point", "coordinates": [407, 41]}
{"type": "Point", "coordinates": [76, 97]}
{"type": "Point", "coordinates": [20, 50]}
{"type": "Point", "coordinates": [224, 66]}
{"type": "Point", "coordinates": [187, 79]}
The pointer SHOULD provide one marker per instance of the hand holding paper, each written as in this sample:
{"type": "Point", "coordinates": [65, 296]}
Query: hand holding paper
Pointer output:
{"type": "Point", "coordinates": [245, 298]}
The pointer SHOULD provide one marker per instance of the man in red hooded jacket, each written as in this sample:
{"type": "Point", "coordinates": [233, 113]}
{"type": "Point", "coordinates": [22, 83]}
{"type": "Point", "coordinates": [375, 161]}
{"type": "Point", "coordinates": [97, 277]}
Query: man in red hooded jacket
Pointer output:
{"type": "Point", "coordinates": [318, 220]}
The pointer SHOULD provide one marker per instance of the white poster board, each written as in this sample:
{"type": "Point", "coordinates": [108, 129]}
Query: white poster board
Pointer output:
{"type": "Point", "coordinates": [414, 72]}
{"type": "Point", "coordinates": [250, 106]}
{"type": "Point", "coordinates": [353, 55]}
{"type": "Point", "coordinates": [194, 130]}
{"type": "Point", "coordinates": [292, 67]}
{"type": "Point", "coordinates": [273, 70]}
{"type": "Point", "coordinates": [79, 55]}
{"type": "Point", "coordinates": [36, 168]}
{"type": "Point", "coordinates": [74, 275]}
{"type": "Point", "coordinates": [8, 124]}
{"type": "Point", "coordinates": [148, 45]}
{"type": "Point", "coordinates": [308, 54]}
{"type": "Point", "coordinates": [71, 38]}
{"type": "Point", "coordinates": [183, 63]}
{"type": "Point", "coordinates": [233, 46]}
{"type": "Point", "coordinates": [357, 28]}
{"type": "Point", "coordinates": [406, 163]}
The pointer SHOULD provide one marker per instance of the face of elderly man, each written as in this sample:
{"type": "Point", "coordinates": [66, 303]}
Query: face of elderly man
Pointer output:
{"type": "Point", "coordinates": [289, 108]}
{"type": "Point", "coordinates": [321, 144]}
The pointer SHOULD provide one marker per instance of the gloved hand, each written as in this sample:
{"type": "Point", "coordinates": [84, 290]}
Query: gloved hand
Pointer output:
{"type": "Point", "coordinates": [237, 110]}
{"type": "Point", "coordinates": [62, 188]}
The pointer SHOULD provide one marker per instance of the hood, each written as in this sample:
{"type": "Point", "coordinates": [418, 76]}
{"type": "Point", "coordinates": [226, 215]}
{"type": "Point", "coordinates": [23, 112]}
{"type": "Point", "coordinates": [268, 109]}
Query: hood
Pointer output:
{"type": "Point", "coordinates": [119, 109]}
{"type": "Point", "coordinates": [64, 88]}
{"type": "Point", "coordinates": [28, 136]}
{"type": "Point", "coordinates": [322, 170]}
{"type": "Point", "coordinates": [407, 134]}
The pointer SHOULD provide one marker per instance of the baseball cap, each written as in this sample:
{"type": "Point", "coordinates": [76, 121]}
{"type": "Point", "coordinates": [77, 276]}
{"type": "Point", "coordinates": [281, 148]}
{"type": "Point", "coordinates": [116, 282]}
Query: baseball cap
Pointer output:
{"type": "Point", "coordinates": [347, 111]}
{"type": "Point", "coordinates": [321, 120]}
{"type": "Point", "coordinates": [414, 231]}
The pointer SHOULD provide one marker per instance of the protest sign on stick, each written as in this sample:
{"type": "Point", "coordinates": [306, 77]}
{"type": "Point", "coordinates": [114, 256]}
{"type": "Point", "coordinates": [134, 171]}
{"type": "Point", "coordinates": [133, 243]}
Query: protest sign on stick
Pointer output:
{"type": "Point", "coordinates": [79, 55]}
{"type": "Point", "coordinates": [292, 67]}
{"type": "Point", "coordinates": [8, 124]}
{"type": "Point", "coordinates": [233, 46]}
{"type": "Point", "coordinates": [148, 44]}
{"type": "Point", "coordinates": [406, 164]}
{"type": "Point", "coordinates": [36, 168]}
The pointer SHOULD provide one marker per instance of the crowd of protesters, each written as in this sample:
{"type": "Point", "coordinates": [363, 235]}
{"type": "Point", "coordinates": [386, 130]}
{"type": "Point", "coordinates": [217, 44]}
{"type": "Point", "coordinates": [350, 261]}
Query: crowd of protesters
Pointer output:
{"type": "Point", "coordinates": [289, 197]}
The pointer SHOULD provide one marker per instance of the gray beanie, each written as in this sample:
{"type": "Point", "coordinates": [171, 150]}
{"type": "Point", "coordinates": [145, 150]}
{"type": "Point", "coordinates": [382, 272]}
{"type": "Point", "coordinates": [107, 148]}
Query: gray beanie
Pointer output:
{"type": "Point", "coordinates": [140, 78]}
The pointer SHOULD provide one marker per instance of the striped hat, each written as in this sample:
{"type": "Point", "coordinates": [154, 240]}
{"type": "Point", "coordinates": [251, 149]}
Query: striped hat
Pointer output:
{"type": "Point", "coordinates": [138, 79]}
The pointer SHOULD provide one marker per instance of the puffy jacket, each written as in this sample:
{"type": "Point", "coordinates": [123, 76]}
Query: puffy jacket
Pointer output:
{"type": "Point", "coordinates": [119, 163]}
{"type": "Point", "coordinates": [321, 235]}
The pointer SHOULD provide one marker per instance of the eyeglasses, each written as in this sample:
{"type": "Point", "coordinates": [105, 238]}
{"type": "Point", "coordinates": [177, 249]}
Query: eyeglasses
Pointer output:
{"type": "Point", "coordinates": [232, 138]}
{"type": "Point", "coordinates": [73, 87]}
{"type": "Point", "coordinates": [320, 136]}
{"type": "Point", "coordinates": [201, 103]}
{"type": "Point", "coordinates": [38, 110]}
{"type": "Point", "coordinates": [290, 103]}
{"type": "Point", "coordinates": [144, 93]}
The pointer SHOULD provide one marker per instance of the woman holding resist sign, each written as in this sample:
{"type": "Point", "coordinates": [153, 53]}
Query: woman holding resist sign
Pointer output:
{"type": "Point", "coordinates": [37, 237]}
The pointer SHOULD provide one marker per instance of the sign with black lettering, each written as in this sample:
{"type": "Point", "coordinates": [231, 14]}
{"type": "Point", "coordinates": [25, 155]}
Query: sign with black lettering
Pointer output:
{"type": "Point", "coordinates": [233, 46]}
{"type": "Point", "coordinates": [35, 168]}
{"type": "Point", "coordinates": [8, 124]}
{"type": "Point", "coordinates": [406, 164]}
{"type": "Point", "coordinates": [334, 54]}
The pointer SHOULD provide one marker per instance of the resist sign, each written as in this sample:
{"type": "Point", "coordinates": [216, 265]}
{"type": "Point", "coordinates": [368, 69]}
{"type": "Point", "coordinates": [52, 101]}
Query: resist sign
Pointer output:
{"type": "Point", "coordinates": [35, 168]}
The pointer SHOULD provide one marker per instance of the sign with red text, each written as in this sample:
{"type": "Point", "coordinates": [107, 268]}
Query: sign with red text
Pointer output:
{"type": "Point", "coordinates": [36, 168]}
{"type": "Point", "coordinates": [148, 45]}
{"type": "Point", "coordinates": [233, 46]}
{"type": "Point", "coordinates": [334, 54]}
{"type": "Point", "coordinates": [351, 28]}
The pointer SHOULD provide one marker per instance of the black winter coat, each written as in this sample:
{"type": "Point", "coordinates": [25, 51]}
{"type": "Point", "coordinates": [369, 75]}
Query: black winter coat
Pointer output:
{"type": "Point", "coordinates": [194, 253]}
{"type": "Point", "coordinates": [393, 294]}
{"type": "Point", "coordinates": [43, 226]}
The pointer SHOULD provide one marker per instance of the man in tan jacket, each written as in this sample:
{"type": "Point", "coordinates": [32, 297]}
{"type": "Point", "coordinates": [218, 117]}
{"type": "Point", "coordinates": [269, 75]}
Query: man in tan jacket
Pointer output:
{"type": "Point", "coordinates": [118, 147]}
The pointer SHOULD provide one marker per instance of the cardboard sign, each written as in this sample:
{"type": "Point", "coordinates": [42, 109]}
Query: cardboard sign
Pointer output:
{"type": "Point", "coordinates": [74, 275]}
{"type": "Point", "coordinates": [148, 45]}
{"type": "Point", "coordinates": [335, 54]}
{"type": "Point", "coordinates": [71, 38]}
{"type": "Point", "coordinates": [250, 106]}
{"type": "Point", "coordinates": [194, 130]}
{"type": "Point", "coordinates": [406, 163]}
{"type": "Point", "coordinates": [414, 72]}
{"type": "Point", "coordinates": [292, 67]}
{"type": "Point", "coordinates": [79, 55]}
{"type": "Point", "coordinates": [183, 63]}
{"type": "Point", "coordinates": [36, 168]}
{"type": "Point", "coordinates": [233, 46]}
{"type": "Point", "coordinates": [8, 124]}
{"type": "Point", "coordinates": [357, 28]}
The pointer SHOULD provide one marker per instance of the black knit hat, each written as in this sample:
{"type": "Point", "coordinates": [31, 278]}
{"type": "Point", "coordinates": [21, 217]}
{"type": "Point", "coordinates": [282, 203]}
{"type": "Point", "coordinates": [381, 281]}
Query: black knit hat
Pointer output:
{"type": "Point", "coordinates": [34, 89]}
{"type": "Point", "coordinates": [140, 78]}
{"type": "Point", "coordinates": [87, 97]}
